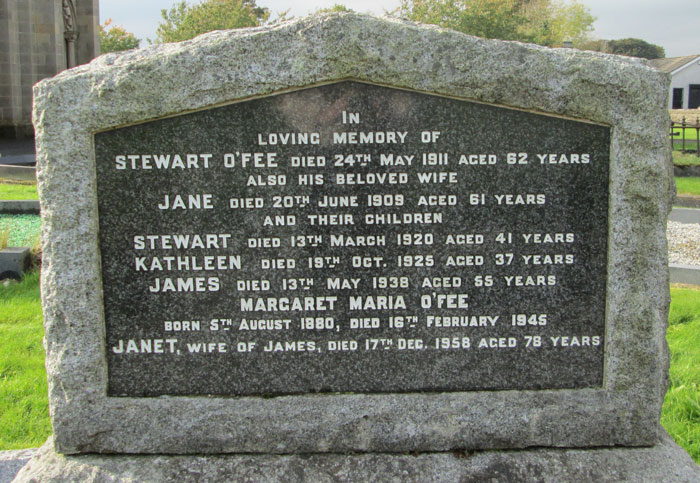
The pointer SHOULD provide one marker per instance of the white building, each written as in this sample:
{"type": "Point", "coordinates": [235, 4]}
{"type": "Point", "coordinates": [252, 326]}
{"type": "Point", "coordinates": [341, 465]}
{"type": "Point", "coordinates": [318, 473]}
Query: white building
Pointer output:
{"type": "Point", "coordinates": [685, 80]}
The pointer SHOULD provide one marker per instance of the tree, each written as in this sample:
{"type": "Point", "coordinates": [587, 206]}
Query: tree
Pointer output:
{"type": "Point", "coordinates": [338, 7]}
{"type": "Point", "coordinates": [183, 21]}
{"type": "Point", "coordinates": [485, 18]}
{"type": "Point", "coordinates": [596, 45]}
{"type": "Point", "coordinates": [636, 48]}
{"type": "Point", "coordinates": [551, 23]}
{"type": "Point", "coordinates": [629, 47]}
{"type": "Point", "coordinates": [116, 38]}
{"type": "Point", "coordinates": [546, 22]}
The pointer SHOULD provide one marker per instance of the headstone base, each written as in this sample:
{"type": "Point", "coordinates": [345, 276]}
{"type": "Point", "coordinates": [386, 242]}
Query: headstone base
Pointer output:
{"type": "Point", "coordinates": [664, 462]}
{"type": "Point", "coordinates": [13, 262]}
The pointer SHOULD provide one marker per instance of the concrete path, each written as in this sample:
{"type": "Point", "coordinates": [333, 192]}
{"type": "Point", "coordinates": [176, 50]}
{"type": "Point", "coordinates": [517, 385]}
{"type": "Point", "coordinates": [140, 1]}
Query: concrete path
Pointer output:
{"type": "Point", "coordinates": [685, 215]}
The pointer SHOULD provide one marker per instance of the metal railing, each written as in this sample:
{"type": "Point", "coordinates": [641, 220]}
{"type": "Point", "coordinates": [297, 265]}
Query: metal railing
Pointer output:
{"type": "Point", "coordinates": [680, 142]}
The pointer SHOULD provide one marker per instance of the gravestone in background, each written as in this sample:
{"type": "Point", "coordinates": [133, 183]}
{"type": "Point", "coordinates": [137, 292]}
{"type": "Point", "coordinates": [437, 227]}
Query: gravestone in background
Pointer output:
{"type": "Point", "coordinates": [348, 234]}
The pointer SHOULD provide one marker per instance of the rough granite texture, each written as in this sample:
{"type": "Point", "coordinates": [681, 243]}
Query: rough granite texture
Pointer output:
{"type": "Point", "coordinates": [13, 262]}
{"type": "Point", "coordinates": [221, 67]}
{"type": "Point", "coordinates": [12, 461]}
{"type": "Point", "coordinates": [665, 462]}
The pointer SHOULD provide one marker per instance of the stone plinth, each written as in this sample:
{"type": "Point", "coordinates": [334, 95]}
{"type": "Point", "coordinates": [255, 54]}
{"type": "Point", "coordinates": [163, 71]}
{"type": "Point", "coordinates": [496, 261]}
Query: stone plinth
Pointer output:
{"type": "Point", "coordinates": [664, 462]}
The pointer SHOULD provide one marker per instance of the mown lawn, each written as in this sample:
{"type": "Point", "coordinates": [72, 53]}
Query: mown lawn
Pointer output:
{"type": "Point", "coordinates": [688, 132]}
{"type": "Point", "coordinates": [681, 411]}
{"type": "Point", "coordinates": [24, 414]}
{"type": "Point", "coordinates": [690, 147]}
{"type": "Point", "coordinates": [689, 186]}
{"type": "Point", "coordinates": [16, 191]}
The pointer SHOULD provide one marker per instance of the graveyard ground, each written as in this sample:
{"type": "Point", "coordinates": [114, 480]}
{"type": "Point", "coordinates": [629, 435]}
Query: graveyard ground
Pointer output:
{"type": "Point", "coordinates": [685, 159]}
{"type": "Point", "coordinates": [689, 134]}
{"type": "Point", "coordinates": [24, 415]}
{"type": "Point", "coordinates": [689, 186]}
{"type": "Point", "coordinates": [681, 411]}
{"type": "Point", "coordinates": [21, 230]}
{"type": "Point", "coordinates": [18, 191]}
{"type": "Point", "coordinates": [24, 419]}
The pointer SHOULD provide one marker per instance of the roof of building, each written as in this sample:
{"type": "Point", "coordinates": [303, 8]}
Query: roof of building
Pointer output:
{"type": "Point", "coordinates": [672, 63]}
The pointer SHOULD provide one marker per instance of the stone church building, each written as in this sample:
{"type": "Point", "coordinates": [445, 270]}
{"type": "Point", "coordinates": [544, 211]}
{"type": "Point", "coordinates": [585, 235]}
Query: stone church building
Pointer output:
{"type": "Point", "coordinates": [38, 39]}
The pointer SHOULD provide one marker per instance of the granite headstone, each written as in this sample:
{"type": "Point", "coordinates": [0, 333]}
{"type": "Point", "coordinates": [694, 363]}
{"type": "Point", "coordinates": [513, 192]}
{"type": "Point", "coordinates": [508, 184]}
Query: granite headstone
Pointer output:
{"type": "Point", "coordinates": [350, 234]}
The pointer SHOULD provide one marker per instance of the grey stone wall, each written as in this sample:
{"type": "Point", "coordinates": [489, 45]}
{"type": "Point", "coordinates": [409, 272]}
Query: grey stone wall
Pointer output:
{"type": "Point", "coordinates": [88, 25]}
{"type": "Point", "coordinates": [32, 47]}
{"type": "Point", "coordinates": [10, 96]}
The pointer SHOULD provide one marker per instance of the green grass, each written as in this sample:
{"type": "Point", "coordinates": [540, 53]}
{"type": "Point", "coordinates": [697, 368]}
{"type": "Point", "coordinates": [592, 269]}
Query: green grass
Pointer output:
{"type": "Point", "coordinates": [24, 229]}
{"type": "Point", "coordinates": [685, 159]}
{"type": "Point", "coordinates": [24, 414]}
{"type": "Point", "coordinates": [688, 186]}
{"type": "Point", "coordinates": [681, 411]}
{"type": "Point", "coordinates": [689, 133]}
{"type": "Point", "coordinates": [689, 148]}
{"type": "Point", "coordinates": [18, 191]}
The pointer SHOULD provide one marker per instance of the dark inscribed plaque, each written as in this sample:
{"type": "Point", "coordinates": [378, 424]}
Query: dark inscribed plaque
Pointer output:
{"type": "Point", "coordinates": [353, 238]}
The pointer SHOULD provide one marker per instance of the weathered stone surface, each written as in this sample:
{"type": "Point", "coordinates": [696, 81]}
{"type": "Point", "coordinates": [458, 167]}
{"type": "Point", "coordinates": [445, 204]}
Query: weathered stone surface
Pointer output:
{"type": "Point", "coordinates": [12, 461]}
{"type": "Point", "coordinates": [665, 462]}
{"type": "Point", "coordinates": [13, 262]}
{"type": "Point", "coordinates": [223, 67]}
